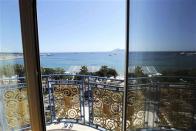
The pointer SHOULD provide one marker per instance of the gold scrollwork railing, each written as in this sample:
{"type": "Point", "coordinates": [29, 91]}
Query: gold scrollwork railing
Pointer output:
{"type": "Point", "coordinates": [67, 101]}
{"type": "Point", "coordinates": [107, 108]}
{"type": "Point", "coordinates": [135, 109]}
{"type": "Point", "coordinates": [16, 108]}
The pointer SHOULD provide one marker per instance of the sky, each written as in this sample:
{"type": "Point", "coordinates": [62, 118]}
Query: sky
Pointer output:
{"type": "Point", "coordinates": [99, 25]}
{"type": "Point", "coordinates": [10, 33]}
{"type": "Point", "coordinates": [69, 25]}
{"type": "Point", "coordinates": [81, 25]}
{"type": "Point", "coordinates": [163, 25]}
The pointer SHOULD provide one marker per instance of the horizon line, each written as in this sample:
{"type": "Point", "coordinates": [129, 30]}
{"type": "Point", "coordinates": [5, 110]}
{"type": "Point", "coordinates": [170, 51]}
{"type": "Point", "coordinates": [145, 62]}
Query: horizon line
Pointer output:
{"type": "Point", "coordinates": [104, 51]}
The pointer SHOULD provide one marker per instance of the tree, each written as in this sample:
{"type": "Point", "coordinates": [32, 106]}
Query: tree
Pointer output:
{"type": "Point", "coordinates": [104, 71]}
{"type": "Point", "coordinates": [59, 70]}
{"type": "Point", "coordinates": [84, 70]}
{"type": "Point", "coordinates": [48, 71]}
{"type": "Point", "coordinates": [112, 72]}
{"type": "Point", "coordinates": [138, 72]}
{"type": "Point", "coordinates": [19, 70]}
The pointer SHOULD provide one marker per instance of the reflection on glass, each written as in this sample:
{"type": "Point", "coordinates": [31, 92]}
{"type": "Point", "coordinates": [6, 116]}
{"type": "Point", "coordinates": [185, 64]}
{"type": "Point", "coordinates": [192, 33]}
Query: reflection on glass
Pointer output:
{"type": "Point", "coordinates": [14, 109]}
{"type": "Point", "coordinates": [162, 67]}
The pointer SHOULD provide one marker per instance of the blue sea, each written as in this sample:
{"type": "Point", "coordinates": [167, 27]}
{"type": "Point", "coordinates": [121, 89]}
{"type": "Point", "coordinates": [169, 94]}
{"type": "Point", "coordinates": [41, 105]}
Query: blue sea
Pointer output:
{"type": "Point", "coordinates": [67, 60]}
{"type": "Point", "coordinates": [159, 60]}
{"type": "Point", "coordinates": [164, 60]}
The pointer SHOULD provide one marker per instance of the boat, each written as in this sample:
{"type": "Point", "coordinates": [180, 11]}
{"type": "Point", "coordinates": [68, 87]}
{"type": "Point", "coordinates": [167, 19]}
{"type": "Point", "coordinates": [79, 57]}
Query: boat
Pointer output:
{"type": "Point", "coordinates": [48, 54]}
{"type": "Point", "coordinates": [182, 53]}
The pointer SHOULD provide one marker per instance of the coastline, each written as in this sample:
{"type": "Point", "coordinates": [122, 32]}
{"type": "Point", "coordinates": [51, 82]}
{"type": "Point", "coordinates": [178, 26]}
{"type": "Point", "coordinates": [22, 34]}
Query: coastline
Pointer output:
{"type": "Point", "coordinates": [9, 57]}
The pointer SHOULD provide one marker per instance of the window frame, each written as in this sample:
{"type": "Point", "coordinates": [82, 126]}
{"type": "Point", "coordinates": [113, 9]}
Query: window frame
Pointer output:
{"type": "Point", "coordinates": [30, 42]}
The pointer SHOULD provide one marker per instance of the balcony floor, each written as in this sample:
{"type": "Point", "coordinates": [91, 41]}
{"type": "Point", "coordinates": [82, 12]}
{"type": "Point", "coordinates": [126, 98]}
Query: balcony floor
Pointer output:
{"type": "Point", "coordinates": [76, 127]}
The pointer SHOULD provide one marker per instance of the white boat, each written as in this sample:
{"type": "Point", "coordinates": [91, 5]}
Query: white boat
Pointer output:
{"type": "Point", "coordinates": [48, 54]}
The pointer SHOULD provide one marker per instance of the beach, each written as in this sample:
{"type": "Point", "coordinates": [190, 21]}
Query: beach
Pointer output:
{"type": "Point", "coordinates": [4, 57]}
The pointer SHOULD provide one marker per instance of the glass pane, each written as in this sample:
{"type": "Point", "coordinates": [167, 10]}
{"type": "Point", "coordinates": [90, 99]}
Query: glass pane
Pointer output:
{"type": "Point", "coordinates": [81, 39]}
{"type": "Point", "coordinates": [14, 109]}
{"type": "Point", "coordinates": [162, 67]}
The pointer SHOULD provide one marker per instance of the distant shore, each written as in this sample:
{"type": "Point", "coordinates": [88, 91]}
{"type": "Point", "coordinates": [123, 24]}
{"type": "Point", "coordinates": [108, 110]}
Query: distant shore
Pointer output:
{"type": "Point", "coordinates": [10, 57]}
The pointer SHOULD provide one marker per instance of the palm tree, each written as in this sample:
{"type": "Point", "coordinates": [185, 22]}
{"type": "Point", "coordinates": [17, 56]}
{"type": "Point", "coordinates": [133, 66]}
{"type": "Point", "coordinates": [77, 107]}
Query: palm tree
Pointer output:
{"type": "Point", "coordinates": [84, 70]}
{"type": "Point", "coordinates": [106, 72]}
{"type": "Point", "coordinates": [139, 72]}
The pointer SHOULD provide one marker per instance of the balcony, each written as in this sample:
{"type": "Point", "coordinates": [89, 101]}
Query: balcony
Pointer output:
{"type": "Point", "coordinates": [71, 101]}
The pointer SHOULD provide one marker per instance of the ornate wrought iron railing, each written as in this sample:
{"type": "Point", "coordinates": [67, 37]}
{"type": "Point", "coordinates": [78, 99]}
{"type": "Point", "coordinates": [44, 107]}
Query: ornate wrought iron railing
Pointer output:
{"type": "Point", "coordinates": [89, 100]}
{"type": "Point", "coordinates": [167, 103]}
{"type": "Point", "coordinates": [14, 109]}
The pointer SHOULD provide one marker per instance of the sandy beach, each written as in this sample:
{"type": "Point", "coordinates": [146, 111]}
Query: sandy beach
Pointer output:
{"type": "Point", "coordinates": [10, 57]}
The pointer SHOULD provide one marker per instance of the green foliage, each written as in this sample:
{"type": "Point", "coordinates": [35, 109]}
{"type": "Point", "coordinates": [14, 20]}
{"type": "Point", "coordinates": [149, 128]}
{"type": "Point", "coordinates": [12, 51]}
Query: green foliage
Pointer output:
{"type": "Point", "coordinates": [84, 70]}
{"type": "Point", "coordinates": [77, 77]}
{"type": "Point", "coordinates": [59, 70]}
{"type": "Point", "coordinates": [49, 71]}
{"type": "Point", "coordinates": [112, 72]}
{"type": "Point", "coordinates": [67, 77]}
{"type": "Point", "coordinates": [138, 72]}
{"type": "Point", "coordinates": [11, 70]}
{"type": "Point", "coordinates": [104, 71]}
{"type": "Point", "coordinates": [7, 71]}
{"type": "Point", "coordinates": [19, 70]}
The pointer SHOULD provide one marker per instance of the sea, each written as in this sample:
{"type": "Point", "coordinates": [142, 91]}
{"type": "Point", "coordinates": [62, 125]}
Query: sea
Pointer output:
{"type": "Point", "coordinates": [151, 62]}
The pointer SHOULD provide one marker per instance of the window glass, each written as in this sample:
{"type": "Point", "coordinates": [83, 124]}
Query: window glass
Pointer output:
{"type": "Point", "coordinates": [162, 67]}
{"type": "Point", "coordinates": [14, 109]}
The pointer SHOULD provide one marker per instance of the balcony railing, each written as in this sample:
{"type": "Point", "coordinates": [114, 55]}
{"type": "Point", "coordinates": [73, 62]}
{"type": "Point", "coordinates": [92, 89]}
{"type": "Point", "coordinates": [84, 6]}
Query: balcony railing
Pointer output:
{"type": "Point", "coordinates": [167, 103]}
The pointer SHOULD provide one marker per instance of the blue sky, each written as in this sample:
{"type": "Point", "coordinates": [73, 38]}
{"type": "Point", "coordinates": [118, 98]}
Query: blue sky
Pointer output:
{"type": "Point", "coordinates": [10, 34]}
{"type": "Point", "coordinates": [68, 25]}
{"type": "Point", "coordinates": [81, 25]}
{"type": "Point", "coordinates": [99, 25]}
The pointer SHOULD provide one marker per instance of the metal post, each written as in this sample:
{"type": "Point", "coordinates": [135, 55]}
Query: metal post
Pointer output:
{"type": "Point", "coordinates": [49, 96]}
{"type": "Point", "coordinates": [126, 65]}
{"type": "Point", "coordinates": [3, 123]}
